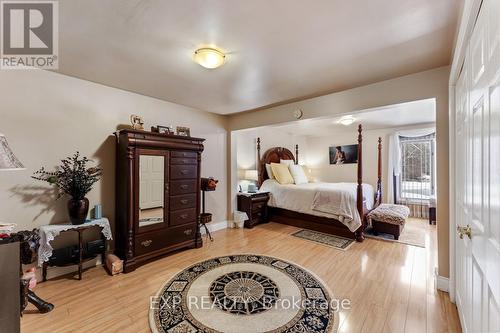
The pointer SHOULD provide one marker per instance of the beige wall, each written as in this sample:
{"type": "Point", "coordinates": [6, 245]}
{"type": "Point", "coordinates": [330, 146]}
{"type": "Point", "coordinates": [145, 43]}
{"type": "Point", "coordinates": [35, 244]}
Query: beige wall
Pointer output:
{"type": "Point", "coordinates": [423, 85]}
{"type": "Point", "coordinates": [47, 116]}
{"type": "Point", "coordinates": [246, 143]}
{"type": "Point", "coordinates": [318, 162]}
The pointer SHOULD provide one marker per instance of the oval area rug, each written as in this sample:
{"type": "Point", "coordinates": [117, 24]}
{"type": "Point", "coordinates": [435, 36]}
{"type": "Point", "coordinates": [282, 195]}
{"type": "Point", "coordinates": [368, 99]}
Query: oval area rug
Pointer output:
{"type": "Point", "coordinates": [243, 294]}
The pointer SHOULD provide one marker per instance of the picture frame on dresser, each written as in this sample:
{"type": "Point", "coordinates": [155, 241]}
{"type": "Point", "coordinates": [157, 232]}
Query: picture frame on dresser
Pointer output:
{"type": "Point", "coordinates": [158, 195]}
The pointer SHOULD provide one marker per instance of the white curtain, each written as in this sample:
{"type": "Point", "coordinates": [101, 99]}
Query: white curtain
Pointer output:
{"type": "Point", "coordinates": [394, 160]}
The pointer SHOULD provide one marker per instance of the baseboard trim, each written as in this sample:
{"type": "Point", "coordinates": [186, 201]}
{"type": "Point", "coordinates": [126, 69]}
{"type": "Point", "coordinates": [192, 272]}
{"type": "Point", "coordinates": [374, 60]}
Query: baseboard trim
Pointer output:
{"type": "Point", "coordinates": [214, 226]}
{"type": "Point", "coordinates": [441, 283]}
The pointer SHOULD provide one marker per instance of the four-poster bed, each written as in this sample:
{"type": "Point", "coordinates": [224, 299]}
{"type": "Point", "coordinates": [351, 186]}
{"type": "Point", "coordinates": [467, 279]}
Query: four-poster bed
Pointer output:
{"type": "Point", "coordinates": [322, 222]}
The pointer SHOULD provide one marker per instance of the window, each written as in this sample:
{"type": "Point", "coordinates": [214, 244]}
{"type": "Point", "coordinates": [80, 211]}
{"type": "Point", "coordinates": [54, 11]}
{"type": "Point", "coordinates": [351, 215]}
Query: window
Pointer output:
{"type": "Point", "coordinates": [417, 180]}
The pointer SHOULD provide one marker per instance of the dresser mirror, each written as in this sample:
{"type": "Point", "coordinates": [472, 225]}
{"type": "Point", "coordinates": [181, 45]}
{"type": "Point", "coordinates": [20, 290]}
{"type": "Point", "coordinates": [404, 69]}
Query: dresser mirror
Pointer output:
{"type": "Point", "coordinates": [151, 190]}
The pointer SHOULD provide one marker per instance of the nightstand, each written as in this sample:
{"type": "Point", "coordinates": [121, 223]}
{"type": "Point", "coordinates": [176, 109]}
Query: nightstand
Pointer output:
{"type": "Point", "coordinates": [255, 205]}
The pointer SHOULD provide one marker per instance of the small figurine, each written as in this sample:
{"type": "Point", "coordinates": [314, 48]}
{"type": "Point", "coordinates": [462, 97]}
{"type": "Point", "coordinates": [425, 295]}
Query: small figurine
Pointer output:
{"type": "Point", "coordinates": [212, 183]}
{"type": "Point", "coordinates": [137, 122]}
{"type": "Point", "coordinates": [208, 184]}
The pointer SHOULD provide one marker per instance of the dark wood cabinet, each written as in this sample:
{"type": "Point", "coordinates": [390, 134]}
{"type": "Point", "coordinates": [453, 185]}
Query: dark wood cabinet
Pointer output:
{"type": "Point", "coordinates": [255, 205]}
{"type": "Point", "coordinates": [157, 195]}
{"type": "Point", "coordinates": [10, 287]}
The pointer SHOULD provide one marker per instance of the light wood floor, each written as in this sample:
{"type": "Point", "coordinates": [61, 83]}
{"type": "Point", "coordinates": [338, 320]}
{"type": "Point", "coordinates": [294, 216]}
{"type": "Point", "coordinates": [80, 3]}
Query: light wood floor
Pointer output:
{"type": "Point", "coordinates": [390, 285]}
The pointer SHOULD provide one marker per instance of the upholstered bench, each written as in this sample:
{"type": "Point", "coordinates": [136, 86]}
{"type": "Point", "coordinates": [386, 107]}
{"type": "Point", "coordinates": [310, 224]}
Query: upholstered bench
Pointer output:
{"type": "Point", "coordinates": [389, 219]}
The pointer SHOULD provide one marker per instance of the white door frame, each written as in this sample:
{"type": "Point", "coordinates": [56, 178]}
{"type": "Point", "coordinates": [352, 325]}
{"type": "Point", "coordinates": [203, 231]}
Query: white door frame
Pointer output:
{"type": "Point", "coordinates": [469, 15]}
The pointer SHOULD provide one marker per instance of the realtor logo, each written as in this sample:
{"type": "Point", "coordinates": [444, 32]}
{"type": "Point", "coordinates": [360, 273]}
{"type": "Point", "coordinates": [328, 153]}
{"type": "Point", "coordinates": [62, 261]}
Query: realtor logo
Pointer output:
{"type": "Point", "coordinates": [29, 35]}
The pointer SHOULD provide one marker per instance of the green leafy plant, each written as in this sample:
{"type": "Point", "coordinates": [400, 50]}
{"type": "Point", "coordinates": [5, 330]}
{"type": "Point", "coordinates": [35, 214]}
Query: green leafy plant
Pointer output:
{"type": "Point", "coordinates": [72, 177]}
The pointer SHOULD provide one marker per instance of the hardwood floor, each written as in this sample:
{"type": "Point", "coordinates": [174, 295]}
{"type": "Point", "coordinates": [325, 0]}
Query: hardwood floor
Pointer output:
{"type": "Point", "coordinates": [390, 285]}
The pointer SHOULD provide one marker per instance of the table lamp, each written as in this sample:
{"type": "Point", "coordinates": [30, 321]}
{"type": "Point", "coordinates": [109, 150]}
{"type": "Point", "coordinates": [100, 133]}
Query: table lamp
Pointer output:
{"type": "Point", "coordinates": [251, 175]}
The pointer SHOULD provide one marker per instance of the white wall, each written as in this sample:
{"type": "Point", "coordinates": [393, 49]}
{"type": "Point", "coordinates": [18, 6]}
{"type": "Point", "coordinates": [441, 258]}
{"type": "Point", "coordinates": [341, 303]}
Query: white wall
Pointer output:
{"type": "Point", "coordinates": [317, 157]}
{"type": "Point", "coordinates": [246, 146]}
{"type": "Point", "coordinates": [47, 116]}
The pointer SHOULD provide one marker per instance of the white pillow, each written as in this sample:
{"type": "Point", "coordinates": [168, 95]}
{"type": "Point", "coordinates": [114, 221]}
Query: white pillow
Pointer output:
{"type": "Point", "coordinates": [269, 171]}
{"type": "Point", "coordinates": [287, 162]}
{"type": "Point", "coordinates": [298, 174]}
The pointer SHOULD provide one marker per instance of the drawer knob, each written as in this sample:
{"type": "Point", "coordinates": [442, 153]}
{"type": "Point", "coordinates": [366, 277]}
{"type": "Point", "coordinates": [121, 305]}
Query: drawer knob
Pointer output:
{"type": "Point", "coordinates": [184, 201]}
{"type": "Point", "coordinates": [184, 172]}
{"type": "Point", "coordinates": [184, 216]}
{"type": "Point", "coordinates": [184, 187]}
{"type": "Point", "coordinates": [188, 231]}
{"type": "Point", "coordinates": [146, 243]}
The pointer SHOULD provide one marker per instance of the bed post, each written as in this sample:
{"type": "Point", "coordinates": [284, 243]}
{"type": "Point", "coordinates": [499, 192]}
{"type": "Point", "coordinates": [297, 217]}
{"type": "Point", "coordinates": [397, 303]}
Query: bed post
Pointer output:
{"type": "Point", "coordinates": [359, 201]}
{"type": "Point", "coordinates": [378, 198]}
{"type": "Point", "coordinates": [296, 154]}
{"type": "Point", "coordinates": [259, 172]}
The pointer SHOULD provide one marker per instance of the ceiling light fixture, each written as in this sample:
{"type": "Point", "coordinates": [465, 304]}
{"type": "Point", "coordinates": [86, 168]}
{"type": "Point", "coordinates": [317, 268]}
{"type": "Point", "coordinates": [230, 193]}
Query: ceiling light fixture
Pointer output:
{"type": "Point", "coordinates": [209, 57]}
{"type": "Point", "coordinates": [347, 120]}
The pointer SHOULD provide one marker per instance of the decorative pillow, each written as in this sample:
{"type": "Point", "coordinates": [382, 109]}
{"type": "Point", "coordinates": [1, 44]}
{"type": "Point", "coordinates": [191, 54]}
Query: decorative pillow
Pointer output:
{"type": "Point", "coordinates": [281, 173]}
{"type": "Point", "coordinates": [287, 162]}
{"type": "Point", "coordinates": [269, 171]}
{"type": "Point", "coordinates": [298, 174]}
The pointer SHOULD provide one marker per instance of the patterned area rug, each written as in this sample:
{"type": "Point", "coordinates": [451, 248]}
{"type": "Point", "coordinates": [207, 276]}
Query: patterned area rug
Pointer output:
{"type": "Point", "coordinates": [337, 242]}
{"type": "Point", "coordinates": [244, 294]}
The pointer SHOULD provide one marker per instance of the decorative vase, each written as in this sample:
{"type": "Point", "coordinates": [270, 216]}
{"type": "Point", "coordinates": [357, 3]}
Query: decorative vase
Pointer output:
{"type": "Point", "coordinates": [78, 210]}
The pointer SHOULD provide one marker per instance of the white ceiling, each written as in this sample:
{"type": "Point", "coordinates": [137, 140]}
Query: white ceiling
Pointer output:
{"type": "Point", "coordinates": [278, 50]}
{"type": "Point", "coordinates": [405, 114]}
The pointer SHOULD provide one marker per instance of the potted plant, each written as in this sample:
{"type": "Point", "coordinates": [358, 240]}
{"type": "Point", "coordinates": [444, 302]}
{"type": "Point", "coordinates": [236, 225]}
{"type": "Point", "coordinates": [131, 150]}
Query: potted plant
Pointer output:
{"type": "Point", "coordinates": [75, 179]}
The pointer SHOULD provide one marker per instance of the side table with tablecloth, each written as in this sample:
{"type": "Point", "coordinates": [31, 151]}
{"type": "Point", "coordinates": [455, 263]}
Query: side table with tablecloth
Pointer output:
{"type": "Point", "coordinates": [49, 232]}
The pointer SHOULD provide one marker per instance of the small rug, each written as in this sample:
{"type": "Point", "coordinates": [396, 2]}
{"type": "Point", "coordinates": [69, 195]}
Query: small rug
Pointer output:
{"type": "Point", "coordinates": [413, 233]}
{"type": "Point", "coordinates": [336, 242]}
{"type": "Point", "coordinates": [243, 294]}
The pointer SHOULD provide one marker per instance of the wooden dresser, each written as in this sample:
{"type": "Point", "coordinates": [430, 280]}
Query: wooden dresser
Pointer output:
{"type": "Point", "coordinates": [157, 195]}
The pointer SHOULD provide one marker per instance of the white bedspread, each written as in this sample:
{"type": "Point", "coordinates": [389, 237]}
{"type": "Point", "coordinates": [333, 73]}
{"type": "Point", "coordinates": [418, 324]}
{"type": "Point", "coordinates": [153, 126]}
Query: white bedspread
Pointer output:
{"type": "Point", "coordinates": [333, 200]}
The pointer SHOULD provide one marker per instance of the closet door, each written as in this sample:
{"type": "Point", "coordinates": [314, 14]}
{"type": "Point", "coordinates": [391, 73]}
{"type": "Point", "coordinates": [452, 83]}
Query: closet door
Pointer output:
{"type": "Point", "coordinates": [478, 249]}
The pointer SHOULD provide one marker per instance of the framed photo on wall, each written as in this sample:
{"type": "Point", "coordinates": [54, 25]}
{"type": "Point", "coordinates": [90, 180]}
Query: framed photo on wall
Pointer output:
{"type": "Point", "coordinates": [347, 154]}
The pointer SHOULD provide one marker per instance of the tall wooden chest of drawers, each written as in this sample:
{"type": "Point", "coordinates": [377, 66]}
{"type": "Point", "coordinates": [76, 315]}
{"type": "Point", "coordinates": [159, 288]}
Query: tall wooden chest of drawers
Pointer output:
{"type": "Point", "coordinates": [157, 195]}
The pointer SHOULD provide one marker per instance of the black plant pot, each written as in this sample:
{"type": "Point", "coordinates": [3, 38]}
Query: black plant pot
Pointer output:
{"type": "Point", "coordinates": [78, 210]}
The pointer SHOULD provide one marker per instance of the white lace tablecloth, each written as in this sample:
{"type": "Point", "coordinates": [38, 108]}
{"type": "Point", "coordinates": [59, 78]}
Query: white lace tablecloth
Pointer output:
{"type": "Point", "coordinates": [51, 231]}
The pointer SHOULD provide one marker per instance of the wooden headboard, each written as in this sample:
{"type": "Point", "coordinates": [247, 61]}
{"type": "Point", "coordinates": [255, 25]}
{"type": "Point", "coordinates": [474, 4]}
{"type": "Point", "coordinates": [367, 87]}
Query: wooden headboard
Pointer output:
{"type": "Point", "coordinates": [273, 155]}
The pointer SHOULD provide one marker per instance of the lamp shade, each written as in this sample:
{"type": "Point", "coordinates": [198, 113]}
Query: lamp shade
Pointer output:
{"type": "Point", "coordinates": [251, 175]}
{"type": "Point", "coordinates": [209, 57]}
{"type": "Point", "coordinates": [8, 161]}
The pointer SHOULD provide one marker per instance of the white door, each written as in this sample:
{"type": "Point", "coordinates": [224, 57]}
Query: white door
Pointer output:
{"type": "Point", "coordinates": [151, 181]}
{"type": "Point", "coordinates": [478, 177]}
{"type": "Point", "coordinates": [462, 197]}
